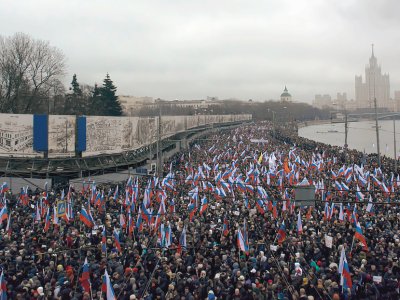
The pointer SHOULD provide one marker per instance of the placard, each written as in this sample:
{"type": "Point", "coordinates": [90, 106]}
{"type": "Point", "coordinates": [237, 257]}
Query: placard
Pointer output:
{"type": "Point", "coordinates": [377, 279]}
{"type": "Point", "coordinates": [61, 209]}
{"type": "Point", "coordinates": [328, 241]}
{"type": "Point", "coordinates": [261, 141]}
{"type": "Point", "coordinates": [273, 247]}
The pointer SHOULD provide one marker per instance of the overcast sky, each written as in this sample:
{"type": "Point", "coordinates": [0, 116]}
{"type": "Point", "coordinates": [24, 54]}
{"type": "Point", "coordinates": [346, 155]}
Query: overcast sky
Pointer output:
{"type": "Point", "coordinates": [187, 49]}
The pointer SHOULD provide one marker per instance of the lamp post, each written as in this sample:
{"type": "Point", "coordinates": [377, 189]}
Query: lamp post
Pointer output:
{"type": "Point", "coordinates": [273, 121]}
{"type": "Point", "coordinates": [394, 144]}
{"type": "Point", "coordinates": [159, 149]}
{"type": "Point", "coordinates": [377, 133]}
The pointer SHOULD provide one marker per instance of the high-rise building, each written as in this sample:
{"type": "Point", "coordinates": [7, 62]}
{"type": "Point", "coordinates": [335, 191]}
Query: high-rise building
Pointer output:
{"type": "Point", "coordinates": [376, 85]}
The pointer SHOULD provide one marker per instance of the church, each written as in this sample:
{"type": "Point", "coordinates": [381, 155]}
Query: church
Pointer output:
{"type": "Point", "coordinates": [285, 96]}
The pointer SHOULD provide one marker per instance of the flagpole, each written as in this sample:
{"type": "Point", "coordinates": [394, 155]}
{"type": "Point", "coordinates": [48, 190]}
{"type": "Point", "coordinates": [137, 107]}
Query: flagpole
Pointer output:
{"type": "Point", "coordinates": [90, 290]}
{"type": "Point", "coordinates": [352, 243]}
{"type": "Point", "coordinates": [276, 235]}
{"type": "Point", "coordinates": [105, 222]}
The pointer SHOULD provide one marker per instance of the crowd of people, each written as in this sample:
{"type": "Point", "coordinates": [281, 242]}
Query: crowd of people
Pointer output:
{"type": "Point", "coordinates": [222, 222]}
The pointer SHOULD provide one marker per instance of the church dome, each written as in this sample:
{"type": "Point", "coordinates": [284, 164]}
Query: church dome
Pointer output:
{"type": "Point", "coordinates": [285, 93]}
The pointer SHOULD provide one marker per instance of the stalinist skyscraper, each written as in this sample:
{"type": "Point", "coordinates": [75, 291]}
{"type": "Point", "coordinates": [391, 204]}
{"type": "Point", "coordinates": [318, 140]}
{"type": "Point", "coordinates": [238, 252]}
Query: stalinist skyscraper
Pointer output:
{"type": "Point", "coordinates": [376, 86]}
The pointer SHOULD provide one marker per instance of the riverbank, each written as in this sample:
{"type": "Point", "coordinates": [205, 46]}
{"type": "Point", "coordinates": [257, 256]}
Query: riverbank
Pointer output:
{"type": "Point", "coordinates": [312, 122]}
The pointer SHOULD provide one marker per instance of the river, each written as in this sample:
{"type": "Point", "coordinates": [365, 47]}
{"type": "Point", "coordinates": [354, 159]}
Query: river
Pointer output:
{"type": "Point", "coordinates": [361, 135]}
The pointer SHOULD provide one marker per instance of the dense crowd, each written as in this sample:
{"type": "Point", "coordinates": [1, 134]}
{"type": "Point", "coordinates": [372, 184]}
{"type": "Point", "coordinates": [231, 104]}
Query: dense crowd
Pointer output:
{"type": "Point", "coordinates": [221, 223]}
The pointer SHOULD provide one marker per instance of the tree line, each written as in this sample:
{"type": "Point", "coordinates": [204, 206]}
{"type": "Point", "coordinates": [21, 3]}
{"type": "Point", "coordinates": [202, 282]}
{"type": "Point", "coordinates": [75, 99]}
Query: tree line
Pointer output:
{"type": "Point", "coordinates": [30, 82]}
{"type": "Point", "coordinates": [267, 110]}
{"type": "Point", "coordinates": [31, 73]}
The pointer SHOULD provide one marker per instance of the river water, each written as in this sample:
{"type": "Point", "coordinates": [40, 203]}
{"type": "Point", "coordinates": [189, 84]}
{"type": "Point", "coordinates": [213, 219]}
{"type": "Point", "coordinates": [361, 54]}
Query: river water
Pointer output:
{"type": "Point", "coordinates": [361, 135]}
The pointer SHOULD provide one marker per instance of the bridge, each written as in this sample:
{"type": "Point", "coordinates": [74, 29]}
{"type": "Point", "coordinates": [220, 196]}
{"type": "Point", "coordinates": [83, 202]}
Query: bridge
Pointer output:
{"type": "Point", "coordinates": [381, 115]}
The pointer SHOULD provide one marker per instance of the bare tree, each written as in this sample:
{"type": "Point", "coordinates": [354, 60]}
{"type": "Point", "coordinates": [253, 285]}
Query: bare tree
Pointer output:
{"type": "Point", "coordinates": [29, 70]}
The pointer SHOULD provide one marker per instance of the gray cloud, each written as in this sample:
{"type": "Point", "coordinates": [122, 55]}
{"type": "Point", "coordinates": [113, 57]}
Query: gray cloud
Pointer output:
{"type": "Point", "coordinates": [227, 48]}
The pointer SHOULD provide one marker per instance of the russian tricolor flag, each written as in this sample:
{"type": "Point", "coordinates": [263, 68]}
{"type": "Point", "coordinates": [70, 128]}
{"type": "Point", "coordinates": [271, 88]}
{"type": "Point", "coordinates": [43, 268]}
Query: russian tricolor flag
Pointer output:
{"type": "Point", "coordinates": [131, 224]}
{"type": "Point", "coordinates": [107, 287]}
{"type": "Point", "coordinates": [3, 214]}
{"type": "Point", "coordinates": [359, 195]}
{"type": "Point", "coordinates": [338, 186]}
{"type": "Point", "coordinates": [242, 243]}
{"type": "Point", "coordinates": [341, 171]}
{"type": "Point", "coordinates": [299, 224]}
{"type": "Point", "coordinates": [3, 287]}
{"type": "Point", "coordinates": [241, 186]}
{"type": "Point", "coordinates": [139, 223]}
{"type": "Point", "coordinates": [282, 233]}
{"type": "Point", "coordinates": [346, 277]}
{"type": "Point", "coordinates": [55, 215]}
{"type": "Point", "coordinates": [146, 215]}
{"type": "Point", "coordinates": [85, 277]}
{"type": "Point", "coordinates": [116, 240]}
{"type": "Point", "coordinates": [104, 241]}
{"type": "Point", "coordinates": [204, 205]}
{"type": "Point", "coordinates": [4, 187]}
{"type": "Point", "coordinates": [116, 193]}
{"type": "Point", "coordinates": [260, 206]}
{"type": "Point", "coordinates": [370, 205]}
{"type": "Point", "coordinates": [192, 210]}
{"type": "Point", "coordinates": [86, 218]}
{"type": "Point", "coordinates": [359, 236]}
{"type": "Point", "coordinates": [225, 228]}
{"type": "Point", "coordinates": [47, 222]}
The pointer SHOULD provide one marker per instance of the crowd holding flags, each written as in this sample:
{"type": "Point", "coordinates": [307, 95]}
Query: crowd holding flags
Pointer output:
{"type": "Point", "coordinates": [217, 181]}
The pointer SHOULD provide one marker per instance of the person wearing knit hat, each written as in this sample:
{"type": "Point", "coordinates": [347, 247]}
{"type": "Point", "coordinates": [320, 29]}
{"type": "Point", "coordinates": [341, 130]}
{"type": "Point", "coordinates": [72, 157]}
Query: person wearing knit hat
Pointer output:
{"type": "Point", "coordinates": [40, 291]}
{"type": "Point", "coordinates": [211, 295]}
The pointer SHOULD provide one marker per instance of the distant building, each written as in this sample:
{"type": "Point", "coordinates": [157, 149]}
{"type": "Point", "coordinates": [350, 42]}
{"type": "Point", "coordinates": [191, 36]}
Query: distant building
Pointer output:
{"type": "Point", "coordinates": [340, 103]}
{"type": "Point", "coordinates": [397, 100]}
{"type": "Point", "coordinates": [285, 96]}
{"type": "Point", "coordinates": [341, 97]}
{"type": "Point", "coordinates": [131, 104]}
{"type": "Point", "coordinates": [376, 85]}
{"type": "Point", "coordinates": [322, 101]}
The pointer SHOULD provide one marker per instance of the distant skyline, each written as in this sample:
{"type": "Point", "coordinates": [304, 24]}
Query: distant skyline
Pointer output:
{"type": "Point", "coordinates": [186, 49]}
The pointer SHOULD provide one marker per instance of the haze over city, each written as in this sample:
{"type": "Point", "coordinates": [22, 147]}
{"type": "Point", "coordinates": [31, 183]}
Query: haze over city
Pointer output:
{"type": "Point", "coordinates": [229, 49]}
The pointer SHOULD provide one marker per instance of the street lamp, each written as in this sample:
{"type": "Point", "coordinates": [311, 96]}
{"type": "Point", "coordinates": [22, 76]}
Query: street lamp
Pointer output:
{"type": "Point", "coordinates": [377, 130]}
{"type": "Point", "coordinates": [273, 121]}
